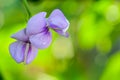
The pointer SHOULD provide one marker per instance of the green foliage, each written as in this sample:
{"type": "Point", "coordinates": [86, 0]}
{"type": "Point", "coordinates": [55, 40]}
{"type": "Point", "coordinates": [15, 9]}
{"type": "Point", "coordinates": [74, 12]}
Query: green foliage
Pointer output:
{"type": "Point", "coordinates": [112, 71]}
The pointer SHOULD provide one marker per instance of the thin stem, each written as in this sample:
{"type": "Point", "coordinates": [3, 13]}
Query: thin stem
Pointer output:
{"type": "Point", "coordinates": [25, 3]}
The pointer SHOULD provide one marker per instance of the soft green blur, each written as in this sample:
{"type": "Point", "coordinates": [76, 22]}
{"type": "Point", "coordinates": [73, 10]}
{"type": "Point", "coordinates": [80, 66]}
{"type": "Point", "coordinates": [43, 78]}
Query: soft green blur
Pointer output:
{"type": "Point", "coordinates": [92, 52]}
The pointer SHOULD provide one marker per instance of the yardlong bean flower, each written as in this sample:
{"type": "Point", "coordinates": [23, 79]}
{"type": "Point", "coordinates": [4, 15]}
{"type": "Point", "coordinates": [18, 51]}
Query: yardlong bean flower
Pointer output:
{"type": "Point", "coordinates": [38, 28]}
{"type": "Point", "coordinates": [37, 35]}
{"type": "Point", "coordinates": [22, 50]}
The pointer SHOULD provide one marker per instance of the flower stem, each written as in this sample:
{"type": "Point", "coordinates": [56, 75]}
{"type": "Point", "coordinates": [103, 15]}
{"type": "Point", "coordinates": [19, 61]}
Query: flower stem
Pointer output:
{"type": "Point", "coordinates": [25, 3]}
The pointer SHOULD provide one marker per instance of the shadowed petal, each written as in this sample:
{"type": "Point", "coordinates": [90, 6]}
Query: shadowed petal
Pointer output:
{"type": "Point", "coordinates": [36, 24]}
{"type": "Point", "coordinates": [32, 52]}
{"type": "Point", "coordinates": [41, 40]}
{"type": "Point", "coordinates": [21, 35]}
{"type": "Point", "coordinates": [57, 20]}
{"type": "Point", "coordinates": [17, 50]}
{"type": "Point", "coordinates": [62, 33]}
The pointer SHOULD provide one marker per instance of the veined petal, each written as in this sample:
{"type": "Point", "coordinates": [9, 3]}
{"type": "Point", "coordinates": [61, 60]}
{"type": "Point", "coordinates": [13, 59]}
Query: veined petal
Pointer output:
{"type": "Point", "coordinates": [17, 50]}
{"type": "Point", "coordinates": [36, 24]}
{"type": "Point", "coordinates": [32, 52]}
{"type": "Point", "coordinates": [21, 35]}
{"type": "Point", "coordinates": [57, 20]}
{"type": "Point", "coordinates": [41, 40]}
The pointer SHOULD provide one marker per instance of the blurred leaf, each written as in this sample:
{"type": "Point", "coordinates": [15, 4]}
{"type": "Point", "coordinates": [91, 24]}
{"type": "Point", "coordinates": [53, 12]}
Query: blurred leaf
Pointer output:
{"type": "Point", "coordinates": [112, 70]}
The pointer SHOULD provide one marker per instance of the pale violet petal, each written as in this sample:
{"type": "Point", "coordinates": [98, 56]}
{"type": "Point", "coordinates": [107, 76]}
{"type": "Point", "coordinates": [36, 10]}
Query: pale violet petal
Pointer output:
{"type": "Point", "coordinates": [17, 50]}
{"type": "Point", "coordinates": [57, 20]}
{"type": "Point", "coordinates": [21, 35]}
{"type": "Point", "coordinates": [41, 40]}
{"type": "Point", "coordinates": [32, 52]}
{"type": "Point", "coordinates": [62, 33]}
{"type": "Point", "coordinates": [36, 24]}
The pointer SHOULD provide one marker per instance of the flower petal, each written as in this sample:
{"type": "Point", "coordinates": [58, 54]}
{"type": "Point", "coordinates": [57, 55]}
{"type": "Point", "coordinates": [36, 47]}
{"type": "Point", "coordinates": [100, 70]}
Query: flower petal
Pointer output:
{"type": "Point", "coordinates": [17, 50]}
{"type": "Point", "coordinates": [62, 33]}
{"type": "Point", "coordinates": [32, 52]}
{"type": "Point", "coordinates": [41, 40]}
{"type": "Point", "coordinates": [21, 35]}
{"type": "Point", "coordinates": [57, 20]}
{"type": "Point", "coordinates": [36, 24]}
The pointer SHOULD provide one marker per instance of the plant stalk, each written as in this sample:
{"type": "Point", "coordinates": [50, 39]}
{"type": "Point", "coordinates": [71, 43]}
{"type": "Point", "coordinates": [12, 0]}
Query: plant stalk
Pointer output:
{"type": "Point", "coordinates": [25, 3]}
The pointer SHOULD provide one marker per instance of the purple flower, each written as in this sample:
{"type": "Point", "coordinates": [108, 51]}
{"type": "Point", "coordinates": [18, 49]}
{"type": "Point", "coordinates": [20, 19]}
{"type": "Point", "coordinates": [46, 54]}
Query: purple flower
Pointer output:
{"type": "Point", "coordinates": [22, 50]}
{"type": "Point", "coordinates": [37, 35]}
{"type": "Point", "coordinates": [38, 28]}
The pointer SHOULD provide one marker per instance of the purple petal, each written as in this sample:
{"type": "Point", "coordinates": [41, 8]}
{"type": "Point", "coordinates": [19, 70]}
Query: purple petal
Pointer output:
{"type": "Point", "coordinates": [62, 33]}
{"type": "Point", "coordinates": [36, 24]}
{"type": "Point", "coordinates": [41, 40]}
{"type": "Point", "coordinates": [17, 50]}
{"type": "Point", "coordinates": [57, 20]}
{"type": "Point", "coordinates": [21, 35]}
{"type": "Point", "coordinates": [32, 52]}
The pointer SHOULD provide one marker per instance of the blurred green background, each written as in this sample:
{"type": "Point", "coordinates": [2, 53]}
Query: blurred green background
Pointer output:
{"type": "Point", "coordinates": [92, 52]}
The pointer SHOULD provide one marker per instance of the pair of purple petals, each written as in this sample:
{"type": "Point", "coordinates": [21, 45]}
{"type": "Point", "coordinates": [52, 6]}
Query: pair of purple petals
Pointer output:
{"type": "Point", "coordinates": [37, 35]}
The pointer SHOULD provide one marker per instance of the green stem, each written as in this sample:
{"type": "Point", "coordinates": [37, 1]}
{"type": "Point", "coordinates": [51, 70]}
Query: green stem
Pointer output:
{"type": "Point", "coordinates": [27, 8]}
